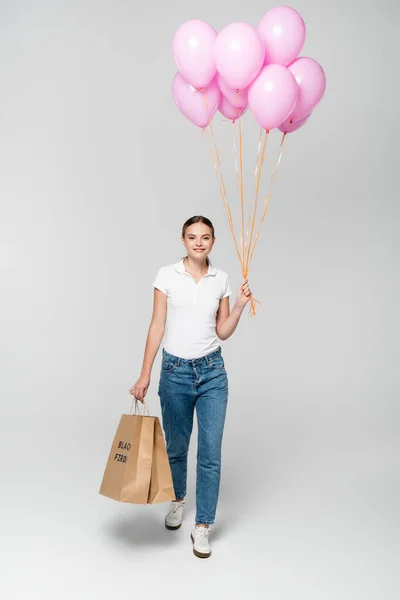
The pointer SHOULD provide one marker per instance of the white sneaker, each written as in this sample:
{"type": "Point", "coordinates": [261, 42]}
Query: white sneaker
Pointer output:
{"type": "Point", "coordinates": [174, 518]}
{"type": "Point", "coordinates": [201, 546]}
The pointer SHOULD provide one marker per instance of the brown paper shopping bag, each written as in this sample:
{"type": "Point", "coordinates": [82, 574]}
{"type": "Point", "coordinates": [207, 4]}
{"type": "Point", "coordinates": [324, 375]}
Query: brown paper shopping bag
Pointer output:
{"type": "Point", "coordinates": [137, 470]}
{"type": "Point", "coordinates": [161, 486]}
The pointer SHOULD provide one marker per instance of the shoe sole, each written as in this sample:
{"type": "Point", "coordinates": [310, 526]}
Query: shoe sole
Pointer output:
{"type": "Point", "coordinates": [172, 527]}
{"type": "Point", "coordinates": [196, 552]}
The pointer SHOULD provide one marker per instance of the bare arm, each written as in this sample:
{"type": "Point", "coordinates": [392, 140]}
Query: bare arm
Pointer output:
{"type": "Point", "coordinates": [227, 322]}
{"type": "Point", "coordinates": [153, 341]}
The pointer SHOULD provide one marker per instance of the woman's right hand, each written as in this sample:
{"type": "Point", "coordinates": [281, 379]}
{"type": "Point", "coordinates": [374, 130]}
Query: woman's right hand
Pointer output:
{"type": "Point", "coordinates": [139, 390]}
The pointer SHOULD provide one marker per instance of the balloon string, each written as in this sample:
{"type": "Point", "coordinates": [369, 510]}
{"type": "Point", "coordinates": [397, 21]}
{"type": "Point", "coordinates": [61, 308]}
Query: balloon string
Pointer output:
{"type": "Point", "coordinates": [215, 156]}
{"type": "Point", "coordinates": [245, 270]}
{"type": "Point", "coordinates": [259, 165]}
{"type": "Point", "coordinates": [258, 154]}
{"type": "Point", "coordinates": [241, 189]}
{"type": "Point", "coordinates": [248, 230]}
{"type": "Point", "coordinates": [240, 184]}
{"type": "Point", "coordinates": [223, 192]}
{"type": "Point", "coordinates": [218, 172]}
{"type": "Point", "coordinates": [235, 155]}
{"type": "Point", "coordinates": [268, 196]}
{"type": "Point", "coordinates": [252, 200]}
{"type": "Point", "coordinates": [260, 160]}
{"type": "Point", "coordinates": [255, 176]}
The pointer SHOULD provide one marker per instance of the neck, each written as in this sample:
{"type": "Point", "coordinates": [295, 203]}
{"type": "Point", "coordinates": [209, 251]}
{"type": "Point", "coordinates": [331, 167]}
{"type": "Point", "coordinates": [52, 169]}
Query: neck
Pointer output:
{"type": "Point", "coordinates": [196, 266]}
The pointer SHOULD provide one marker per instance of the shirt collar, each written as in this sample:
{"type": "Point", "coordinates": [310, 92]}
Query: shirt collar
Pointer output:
{"type": "Point", "coordinates": [180, 268]}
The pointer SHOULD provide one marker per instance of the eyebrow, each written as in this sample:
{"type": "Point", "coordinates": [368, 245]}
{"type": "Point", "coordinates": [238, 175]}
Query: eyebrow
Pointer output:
{"type": "Point", "coordinates": [204, 234]}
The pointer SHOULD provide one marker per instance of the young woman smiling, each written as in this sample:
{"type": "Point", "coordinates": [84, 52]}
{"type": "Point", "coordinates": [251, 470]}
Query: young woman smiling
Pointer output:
{"type": "Point", "coordinates": [191, 305]}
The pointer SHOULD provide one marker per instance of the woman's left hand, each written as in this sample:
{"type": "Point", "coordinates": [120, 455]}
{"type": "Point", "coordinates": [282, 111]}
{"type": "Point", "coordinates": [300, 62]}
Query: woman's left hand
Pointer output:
{"type": "Point", "coordinates": [244, 293]}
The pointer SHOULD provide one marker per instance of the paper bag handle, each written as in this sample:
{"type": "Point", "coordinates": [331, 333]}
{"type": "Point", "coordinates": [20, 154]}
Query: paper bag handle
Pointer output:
{"type": "Point", "coordinates": [137, 411]}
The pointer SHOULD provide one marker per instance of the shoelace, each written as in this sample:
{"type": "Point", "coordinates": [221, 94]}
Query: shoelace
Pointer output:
{"type": "Point", "coordinates": [177, 506]}
{"type": "Point", "coordinates": [203, 534]}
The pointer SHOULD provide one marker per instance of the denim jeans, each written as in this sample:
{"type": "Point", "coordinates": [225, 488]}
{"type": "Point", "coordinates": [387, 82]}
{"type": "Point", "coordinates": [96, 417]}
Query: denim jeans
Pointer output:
{"type": "Point", "coordinates": [184, 385]}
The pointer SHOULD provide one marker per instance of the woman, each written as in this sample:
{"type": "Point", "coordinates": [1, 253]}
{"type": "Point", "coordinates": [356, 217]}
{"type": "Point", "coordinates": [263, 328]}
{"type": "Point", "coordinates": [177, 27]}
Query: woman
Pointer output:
{"type": "Point", "coordinates": [193, 296]}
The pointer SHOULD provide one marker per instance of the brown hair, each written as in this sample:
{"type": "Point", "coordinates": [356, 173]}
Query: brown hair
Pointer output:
{"type": "Point", "coordinates": [198, 219]}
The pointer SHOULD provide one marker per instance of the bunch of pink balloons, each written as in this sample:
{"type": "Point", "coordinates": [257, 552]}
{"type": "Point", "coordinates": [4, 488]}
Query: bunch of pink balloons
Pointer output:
{"type": "Point", "coordinates": [243, 66]}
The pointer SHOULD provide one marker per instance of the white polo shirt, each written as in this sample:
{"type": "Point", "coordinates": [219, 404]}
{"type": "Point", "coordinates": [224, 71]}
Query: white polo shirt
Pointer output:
{"type": "Point", "coordinates": [191, 309]}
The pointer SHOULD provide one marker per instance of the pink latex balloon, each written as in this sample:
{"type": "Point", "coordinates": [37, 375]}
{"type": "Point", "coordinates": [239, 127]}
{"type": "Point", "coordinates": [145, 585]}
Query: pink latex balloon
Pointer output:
{"type": "Point", "coordinates": [283, 32]}
{"type": "Point", "coordinates": [193, 52]}
{"type": "Point", "coordinates": [229, 111]}
{"type": "Point", "coordinates": [273, 96]}
{"type": "Point", "coordinates": [237, 98]}
{"type": "Point", "coordinates": [239, 54]}
{"type": "Point", "coordinates": [198, 107]}
{"type": "Point", "coordinates": [289, 126]}
{"type": "Point", "coordinates": [311, 81]}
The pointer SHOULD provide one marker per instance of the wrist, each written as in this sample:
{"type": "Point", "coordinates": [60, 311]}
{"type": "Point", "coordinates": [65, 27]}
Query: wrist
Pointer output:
{"type": "Point", "coordinates": [238, 307]}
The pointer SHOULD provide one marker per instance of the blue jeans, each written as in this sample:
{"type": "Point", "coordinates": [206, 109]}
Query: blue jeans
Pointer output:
{"type": "Point", "coordinates": [184, 384]}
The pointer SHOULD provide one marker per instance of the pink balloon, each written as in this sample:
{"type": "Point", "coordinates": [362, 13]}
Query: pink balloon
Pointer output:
{"type": "Point", "coordinates": [239, 54]}
{"type": "Point", "coordinates": [289, 126]}
{"type": "Point", "coordinates": [193, 52]}
{"type": "Point", "coordinates": [283, 32]}
{"type": "Point", "coordinates": [239, 98]}
{"type": "Point", "coordinates": [198, 106]}
{"type": "Point", "coordinates": [229, 111]}
{"type": "Point", "coordinates": [311, 81]}
{"type": "Point", "coordinates": [273, 96]}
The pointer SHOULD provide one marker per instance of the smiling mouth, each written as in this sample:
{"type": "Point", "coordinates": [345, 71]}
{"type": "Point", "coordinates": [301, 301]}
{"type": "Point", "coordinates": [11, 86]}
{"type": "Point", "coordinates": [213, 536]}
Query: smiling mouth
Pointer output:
{"type": "Point", "coordinates": [199, 249]}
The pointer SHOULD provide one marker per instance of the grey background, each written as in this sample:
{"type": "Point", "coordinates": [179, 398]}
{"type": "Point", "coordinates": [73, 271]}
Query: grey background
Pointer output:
{"type": "Point", "coordinates": [98, 172]}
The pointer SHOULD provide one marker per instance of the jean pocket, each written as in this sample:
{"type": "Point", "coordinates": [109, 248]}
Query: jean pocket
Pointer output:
{"type": "Point", "coordinates": [168, 365]}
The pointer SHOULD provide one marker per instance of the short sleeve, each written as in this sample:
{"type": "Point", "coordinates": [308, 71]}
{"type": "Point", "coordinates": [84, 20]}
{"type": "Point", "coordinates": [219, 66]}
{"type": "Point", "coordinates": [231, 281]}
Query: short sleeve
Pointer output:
{"type": "Point", "coordinates": [160, 282]}
{"type": "Point", "coordinates": [227, 288]}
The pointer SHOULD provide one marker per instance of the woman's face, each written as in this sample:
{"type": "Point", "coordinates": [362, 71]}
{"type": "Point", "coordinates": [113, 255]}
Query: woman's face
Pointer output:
{"type": "Point", "coordinates": [198, 241]}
